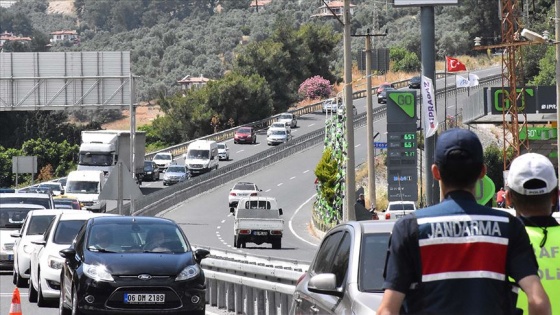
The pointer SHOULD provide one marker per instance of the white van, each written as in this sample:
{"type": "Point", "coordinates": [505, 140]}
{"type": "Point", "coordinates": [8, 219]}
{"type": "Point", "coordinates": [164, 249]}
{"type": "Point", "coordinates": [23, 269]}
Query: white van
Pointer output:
{"type": "Point", "coordinates": [201, 156]}
{"type": "Point", "coordinates": [86, 187]}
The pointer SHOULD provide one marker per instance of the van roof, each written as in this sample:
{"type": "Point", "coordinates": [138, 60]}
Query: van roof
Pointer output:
{"type": "Point", "coordinates": [28, 195]}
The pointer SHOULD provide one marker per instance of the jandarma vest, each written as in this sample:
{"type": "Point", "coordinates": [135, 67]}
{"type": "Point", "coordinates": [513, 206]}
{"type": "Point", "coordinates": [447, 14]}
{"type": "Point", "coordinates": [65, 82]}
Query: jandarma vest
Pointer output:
{"type": "Point", "coordinates": [548, 258]}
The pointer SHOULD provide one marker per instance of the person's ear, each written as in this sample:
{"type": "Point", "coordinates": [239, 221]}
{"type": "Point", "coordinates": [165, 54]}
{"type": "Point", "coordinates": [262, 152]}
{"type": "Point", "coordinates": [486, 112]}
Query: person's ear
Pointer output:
{"type": "Point", "coordinates": [507, 196]}
{"type": "Point", "coordinates": [482, 171]}
{"type": "Point", "coordinates": [435, 172]}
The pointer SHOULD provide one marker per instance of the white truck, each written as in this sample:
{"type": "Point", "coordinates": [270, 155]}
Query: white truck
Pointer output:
{"type": "Point", "coordinates": [101, 150]}
{"type": "Point", "coordinates": [86, 187]}
{"type": "Point", "coordinates": [257, 220]}
{"type": "Point", "coordinates": [202, 156]}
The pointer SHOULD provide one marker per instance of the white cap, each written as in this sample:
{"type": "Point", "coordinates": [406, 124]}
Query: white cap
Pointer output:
{"type": "Point", "coordinates": [531, 166]}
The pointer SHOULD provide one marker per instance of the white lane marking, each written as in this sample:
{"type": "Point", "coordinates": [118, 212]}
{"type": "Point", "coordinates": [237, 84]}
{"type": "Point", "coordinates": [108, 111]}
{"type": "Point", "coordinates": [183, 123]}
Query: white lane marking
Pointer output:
{"type": "Point", "coordinates": [305, 171]}
{"type": "Point", "coordinates": [311, 125]}
{"type": "Point", "coordinates": [293, 177]}
{"type": "Point", "coordinates": [357, 145]}
{"type": "Point", "coordinates": [218, 227]}
{"type": "Point", "coordinates": [267, 190]}
{"type": "Point", "coordinates": [223, 221]}
{"type": "Point", "coordinates": [280, 184]}
{"type": "Point", "coordinates": [239, 151]}
{"type": "Point", "coordinates": [292, 219]}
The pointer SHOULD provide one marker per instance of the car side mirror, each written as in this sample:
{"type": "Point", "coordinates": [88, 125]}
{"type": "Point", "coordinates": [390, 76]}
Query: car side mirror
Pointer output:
{"type": "Point", "coordinates": [15, 234]}
{"type": "Point", "coordinates": [200, 254]}
{"type": "Point", "coordinates": [232, 210]}
{"type": "Point", "coordinates": [280, 211]}
{"type": "Point", "coordinates": [68, 253]}
{"type": "Point", "coordinates": [39, 242]}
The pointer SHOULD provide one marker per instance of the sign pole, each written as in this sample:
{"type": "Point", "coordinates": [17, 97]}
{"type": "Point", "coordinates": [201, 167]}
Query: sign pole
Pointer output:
{"type": "Point", "coordinates": [370, 131]}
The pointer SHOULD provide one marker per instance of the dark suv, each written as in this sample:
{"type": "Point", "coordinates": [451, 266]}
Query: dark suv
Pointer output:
{"type": "Point", "coordinates": [245, 135]}
{"type": "Point", "coordinates": [151, 171]}
{"type": "Point", "coordinates": [414, 82]}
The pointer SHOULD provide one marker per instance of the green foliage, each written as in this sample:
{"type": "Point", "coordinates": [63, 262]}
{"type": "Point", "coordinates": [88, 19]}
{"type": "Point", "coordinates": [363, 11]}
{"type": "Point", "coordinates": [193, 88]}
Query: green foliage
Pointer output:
{"type": "Point", "coordinates": [326, 172]}
{"type": "Point", "coordinates": [494, 164]}
{"type": "Point", "coordinates": [404, 60]}
{"type": "Point", "coordinates": [547, 69]}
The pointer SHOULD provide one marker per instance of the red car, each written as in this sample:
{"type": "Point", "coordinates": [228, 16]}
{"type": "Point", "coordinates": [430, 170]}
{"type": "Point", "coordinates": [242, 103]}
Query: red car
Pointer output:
{"type": "Point", "coordinates": [245, 135]}
{"type": "Point", "coordinates": [382, 87]}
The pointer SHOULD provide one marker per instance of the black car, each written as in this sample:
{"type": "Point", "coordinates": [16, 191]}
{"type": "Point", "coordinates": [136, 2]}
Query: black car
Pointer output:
{"type": "Point", "coordinates": [414, 82]}
{"type": "Point", "coordinates": [151, 170]}
{"type": "Point", "coordinates": [382, 97]}
{"type": "Point", "coordinates": [132, 265]}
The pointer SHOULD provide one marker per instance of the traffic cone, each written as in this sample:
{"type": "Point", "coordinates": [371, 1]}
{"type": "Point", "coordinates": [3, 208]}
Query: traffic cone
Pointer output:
{"type": "Point", "coordinates": [15, 307]}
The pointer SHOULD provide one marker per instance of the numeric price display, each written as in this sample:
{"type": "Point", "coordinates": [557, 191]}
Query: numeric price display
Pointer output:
{"type": "Point", "coordinates": [401, 147]}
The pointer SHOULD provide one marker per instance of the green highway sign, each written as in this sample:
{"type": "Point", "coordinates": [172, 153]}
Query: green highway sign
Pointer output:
{"type": "Point", "coordinates": [485, 190]}
{"type": "Point", "coordinates": [537, 133]}
{"type": "Point", "coordinates": [406, 101]}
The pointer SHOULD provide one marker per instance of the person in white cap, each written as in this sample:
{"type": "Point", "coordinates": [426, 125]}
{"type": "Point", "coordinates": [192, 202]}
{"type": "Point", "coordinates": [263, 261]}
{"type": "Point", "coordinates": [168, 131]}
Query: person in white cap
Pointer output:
{"type": "Point", "coordinates": [532, 191]}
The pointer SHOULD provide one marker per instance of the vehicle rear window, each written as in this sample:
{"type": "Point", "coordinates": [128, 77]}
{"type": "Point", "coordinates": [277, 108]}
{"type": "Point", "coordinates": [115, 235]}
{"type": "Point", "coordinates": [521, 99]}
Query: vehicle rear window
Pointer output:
{"type": "Point", "coordinates": [402, 206]}
{"type": "Point", "coordinates": [67, 230]}
{"type": "Point", "coordinates": [12, 218]}
{"type": "Point", "coordinates": [244, 130]}
{"type": "Point", "coordinates": [45, 202]}
{"type": "Point", "coordinates": [372, 262]}
{"type": "Point", "coordinates": [257, 204]}
{"type": "Point", "coordinates": [39, 224]}
{"type": "Point", "coordinates": [244, 187]}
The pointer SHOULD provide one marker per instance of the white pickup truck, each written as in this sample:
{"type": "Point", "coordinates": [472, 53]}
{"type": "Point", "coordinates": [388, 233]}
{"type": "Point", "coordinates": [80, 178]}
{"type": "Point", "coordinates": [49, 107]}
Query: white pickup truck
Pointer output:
{"type": "Point", "coordinates": [257, 220]}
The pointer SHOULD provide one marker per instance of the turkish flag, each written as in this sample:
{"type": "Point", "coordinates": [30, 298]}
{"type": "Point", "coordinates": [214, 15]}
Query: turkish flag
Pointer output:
{"type": "Point", "coordinates": [454, 65]}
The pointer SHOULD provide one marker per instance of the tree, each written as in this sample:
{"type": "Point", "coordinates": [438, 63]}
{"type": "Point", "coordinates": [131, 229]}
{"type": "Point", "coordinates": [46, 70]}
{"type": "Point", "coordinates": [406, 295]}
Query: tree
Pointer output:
{"type": "Point", "coordinates": [315, 87]}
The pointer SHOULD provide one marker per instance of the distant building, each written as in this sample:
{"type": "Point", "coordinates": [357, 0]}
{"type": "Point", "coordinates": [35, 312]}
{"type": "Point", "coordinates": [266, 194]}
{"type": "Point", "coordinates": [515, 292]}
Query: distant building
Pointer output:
{"type": "Point", "coordinates": [7, 37]}
{"type": "Point", "coordinates": [258, 5]}
{"type": "Point", "coordinates": [337, 7]}
{"type": "Point", "coordinates": [189, 82]}
{"type": "Point", "coordinates": [65, 35]}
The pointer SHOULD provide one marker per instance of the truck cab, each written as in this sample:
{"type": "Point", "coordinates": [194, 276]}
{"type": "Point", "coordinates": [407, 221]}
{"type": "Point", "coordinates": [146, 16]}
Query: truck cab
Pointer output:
{"type": "Point", "coordinates": [202, 156]}
{"type": "Point", "coordinates": [257, 220]}
{"type": "Point", "coordinates": [86, 187]}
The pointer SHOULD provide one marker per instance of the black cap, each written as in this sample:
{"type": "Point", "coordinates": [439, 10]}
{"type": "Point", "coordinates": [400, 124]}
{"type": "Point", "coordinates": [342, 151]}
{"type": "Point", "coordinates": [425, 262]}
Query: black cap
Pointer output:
{"type": "Point", "coordinates": [462, 140]}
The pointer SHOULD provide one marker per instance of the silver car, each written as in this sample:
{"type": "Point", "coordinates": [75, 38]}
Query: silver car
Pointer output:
{"type": "Point", "coordinates": [346, 274]}
{"type": "Point", "coordinates": [175, 174]}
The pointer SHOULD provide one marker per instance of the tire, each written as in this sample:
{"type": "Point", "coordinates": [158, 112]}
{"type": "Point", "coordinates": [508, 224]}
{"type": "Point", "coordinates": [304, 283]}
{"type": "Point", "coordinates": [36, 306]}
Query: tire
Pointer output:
{"type": "Point", "coordinates": [41, 301]}
{"type": "Point", "coordinates": [244, 245]}
{"type": "Point", "coordinates": [62, 310]}
{"type": "Point", "coordinates": [75, 309]}
{"type": "Point", "coordinates": [19, 281]}
{"type": "Point", "coordinates": [238, 243]}
{"type": "Point", "coordinates": [32, 297]}
{"type": "Point", "coordinates": [277, 243]}
{"type": "Point", "coordinates": [235, 242]}
{"type": "Point", "coordinates": [14, 276]}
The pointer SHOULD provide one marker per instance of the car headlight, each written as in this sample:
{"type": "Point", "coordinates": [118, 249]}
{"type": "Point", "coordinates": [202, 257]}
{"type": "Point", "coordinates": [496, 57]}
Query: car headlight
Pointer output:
{"type": "Point", "coordinates": [55, 262]}
{"type": "Point", "coordinates": [97, 272]}
{"type": "Point", "coordinates": [189, 272]}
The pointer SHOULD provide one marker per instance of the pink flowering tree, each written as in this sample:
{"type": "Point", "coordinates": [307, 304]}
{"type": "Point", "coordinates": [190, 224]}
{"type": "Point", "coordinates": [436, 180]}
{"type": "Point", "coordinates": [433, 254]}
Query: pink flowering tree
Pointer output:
{"type": "Point", "coordinates": [315, 87]}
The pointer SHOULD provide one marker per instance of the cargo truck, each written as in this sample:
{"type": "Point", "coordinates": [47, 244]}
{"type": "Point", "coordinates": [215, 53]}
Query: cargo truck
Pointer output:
{"type": "Point", "coordinates": [257, 220]}
{"type": "Point", "coordinates": [101, 150]}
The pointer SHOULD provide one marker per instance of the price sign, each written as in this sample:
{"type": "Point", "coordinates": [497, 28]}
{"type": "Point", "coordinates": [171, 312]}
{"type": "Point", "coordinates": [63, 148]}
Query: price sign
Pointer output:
{"type": "Point", "coordinates": [402, 146]}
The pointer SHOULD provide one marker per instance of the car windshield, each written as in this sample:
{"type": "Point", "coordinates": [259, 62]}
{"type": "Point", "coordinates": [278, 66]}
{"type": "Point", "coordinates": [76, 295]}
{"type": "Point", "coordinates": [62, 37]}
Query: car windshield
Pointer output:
{"type": "Point", "coordinates": [279, 132]}
{"type": "Point", "coordinates": [67, 230]}
{"type": "Point", "coordinates": [372, 262]}
{"type": "Point", "coordinates": [221, 146]}
{"type": "Point", "coordinates": [82, 187]}
{"type": "Point", "coordinates": [12, 218]}
{"type": "Point", "coordinates": [198, 154]}
{"type": "Point", "coordinates": [244, 186]}
{"type": "Point", "coordinates": [66, 204]}
{"type": "Point", "coordinates": [176, 169]}
{"type": "Point", "coordinates": [38, 224]}
{"type": "Point", "coordinates": [148, 166]}
{"type": "Point", "coordinates": [54, 187]}
{"type": "Point", "coordinates": [162, 157]}
{"type": "Point", "coordinates": [401, 206]}
{"type": "Point", "coordinates": [95, 159]}
{"type": "Point", "coordinates": [147, 237]}
{"type": "Point", "coordinates": [278, 125]}
{"type": "Point", "coordinates": [45, 202]}
{"type": "Point", "coordinates": [244, 130]}
{"type": "Point", "coordinates": [286, 116]}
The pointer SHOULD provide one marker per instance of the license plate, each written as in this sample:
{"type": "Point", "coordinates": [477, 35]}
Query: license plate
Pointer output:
{"type": "Point", "coordinates": [399, 216]}
{"type": "Point", "coordinates": [144, 298]}
{"type": "Point", "coordinates": [260, 233]}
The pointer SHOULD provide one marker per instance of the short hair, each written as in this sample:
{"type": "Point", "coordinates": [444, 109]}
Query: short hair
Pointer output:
{"type": "Point", "coordinates": [529, 201]}
{"type": "Point", "coordinates": [459, 170]}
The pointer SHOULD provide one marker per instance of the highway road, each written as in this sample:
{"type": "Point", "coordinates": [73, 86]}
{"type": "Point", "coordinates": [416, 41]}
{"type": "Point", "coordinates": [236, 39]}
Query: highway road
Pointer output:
{"type": "Point", "coordinates": [206, 219]}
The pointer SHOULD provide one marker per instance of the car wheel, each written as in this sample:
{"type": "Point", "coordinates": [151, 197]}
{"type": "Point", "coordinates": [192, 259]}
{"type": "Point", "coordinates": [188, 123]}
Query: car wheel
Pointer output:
{"type": "Point", "coordinates": [277, 243]}
{"type": "Point", "coordinates": [235, 241]}
{"type": "Point", "coordinates": [32, 297]}
{"type": "Point", "coordinates": [75, 309]}
{"type": "Point", "coordinates": [243, 245]}
{"type": "Point", "coordinates": [19, 281]}
{"type": "Point", "coordinates": [62, 310]}
{"type": "Point", "coordinates": [14, 276]}
{"type": "Point", "coordinates": [239, 243]}
{"type": "Point", "coordinates": [41, 301]}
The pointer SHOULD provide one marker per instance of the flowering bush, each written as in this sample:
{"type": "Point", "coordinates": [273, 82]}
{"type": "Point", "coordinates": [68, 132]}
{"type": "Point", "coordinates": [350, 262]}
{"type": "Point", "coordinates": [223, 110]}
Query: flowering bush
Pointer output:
{"type": "Point", "coordinates": [315, 87]}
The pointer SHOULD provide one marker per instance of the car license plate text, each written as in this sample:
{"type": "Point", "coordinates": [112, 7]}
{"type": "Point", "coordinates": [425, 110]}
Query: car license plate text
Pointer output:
{"type": "Point", "coordinates": [144, 298]}
{"type": "Point", "coordinates": [260, 233]}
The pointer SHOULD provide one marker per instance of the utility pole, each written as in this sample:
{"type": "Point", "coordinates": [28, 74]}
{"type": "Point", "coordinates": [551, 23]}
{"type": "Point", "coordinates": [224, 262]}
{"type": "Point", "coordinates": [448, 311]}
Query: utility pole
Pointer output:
{"type": "Point", "coordinates": [557, 39]}
{"type": "Point", "coordinates": [369, 119]}
{"type": "Point", "coordinates": [348, 213]}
